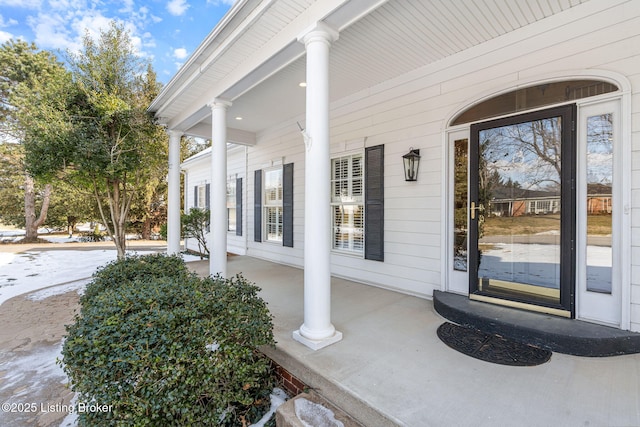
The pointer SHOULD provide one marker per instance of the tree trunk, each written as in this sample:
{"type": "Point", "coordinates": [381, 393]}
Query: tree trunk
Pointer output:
{"type": "Point", "coordinates": [71, 224]}
{"type": "Point", "coordinates": [146, 228]}
{"type": "Point", "coordinates": [31, 223]}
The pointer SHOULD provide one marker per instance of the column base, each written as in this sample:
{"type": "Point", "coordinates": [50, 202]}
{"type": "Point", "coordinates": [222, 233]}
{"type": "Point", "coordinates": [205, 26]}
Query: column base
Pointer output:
{"type": "Point", "coordinates": [317, 344]}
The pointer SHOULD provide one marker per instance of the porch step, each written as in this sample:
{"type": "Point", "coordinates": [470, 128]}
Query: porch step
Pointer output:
{"type": "Point", "coordinates": [358, 411]}
{"type": "Point", "coordinates": [553, 333]}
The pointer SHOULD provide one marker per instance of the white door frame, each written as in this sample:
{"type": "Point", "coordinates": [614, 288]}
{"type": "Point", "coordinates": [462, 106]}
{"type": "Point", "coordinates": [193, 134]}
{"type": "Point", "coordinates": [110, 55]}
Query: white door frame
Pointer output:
{"type": "Point", "coordinates": [614, 309]}
{"type": "Point", "coordinates": [454, 280]}
{"type": "Point", "coordinates": [593, 306]}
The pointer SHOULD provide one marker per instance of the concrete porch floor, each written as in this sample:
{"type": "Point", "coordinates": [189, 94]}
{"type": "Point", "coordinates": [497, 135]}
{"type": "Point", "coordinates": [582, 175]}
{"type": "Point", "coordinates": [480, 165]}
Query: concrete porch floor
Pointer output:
{"type": "Point", "coordinates": [391, 368]}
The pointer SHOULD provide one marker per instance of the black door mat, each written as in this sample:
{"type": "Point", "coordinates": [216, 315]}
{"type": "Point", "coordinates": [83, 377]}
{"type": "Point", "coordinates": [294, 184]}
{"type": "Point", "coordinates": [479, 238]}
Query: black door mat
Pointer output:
{"type": "Point", "coordinates": [491, 348]}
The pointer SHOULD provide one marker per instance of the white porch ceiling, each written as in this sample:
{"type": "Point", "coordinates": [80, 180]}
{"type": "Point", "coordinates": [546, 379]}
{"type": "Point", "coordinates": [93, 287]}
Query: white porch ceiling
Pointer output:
{"type": "Point", "coordinates": [396, 38]}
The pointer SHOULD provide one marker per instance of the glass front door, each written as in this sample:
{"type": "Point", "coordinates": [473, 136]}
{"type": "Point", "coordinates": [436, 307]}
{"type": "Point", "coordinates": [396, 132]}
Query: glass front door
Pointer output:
{"type": "Point", "coordinates": [522, 209]}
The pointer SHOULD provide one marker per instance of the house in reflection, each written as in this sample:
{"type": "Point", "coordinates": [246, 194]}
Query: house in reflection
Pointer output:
{"type": "Point", "coordinates": [524, 202]}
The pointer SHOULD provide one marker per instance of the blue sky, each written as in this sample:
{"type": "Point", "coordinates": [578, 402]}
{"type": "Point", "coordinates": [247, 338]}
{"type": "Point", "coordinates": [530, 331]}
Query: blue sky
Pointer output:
{"type": "Point", "coordinates": [164, 31]}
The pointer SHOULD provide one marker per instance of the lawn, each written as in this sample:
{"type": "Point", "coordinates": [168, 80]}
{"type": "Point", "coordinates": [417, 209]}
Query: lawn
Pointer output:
{"type": "Point", "coordinates": [599, 225]}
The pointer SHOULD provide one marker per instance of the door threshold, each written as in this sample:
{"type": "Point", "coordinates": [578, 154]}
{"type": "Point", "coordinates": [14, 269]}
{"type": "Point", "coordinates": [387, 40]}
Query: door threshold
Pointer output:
{"type": "Point", "coordinates": [562, 335]}
{"type": "Point", "coordinates": [521, 305]}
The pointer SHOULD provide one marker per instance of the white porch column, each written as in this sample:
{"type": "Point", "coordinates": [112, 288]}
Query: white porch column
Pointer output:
{"type": "Point", "coordinates": [218, 207]}
{"type": "Point", "coordinates": [317, 331]}
{"type": "Point", "coordinates": [173, 208]}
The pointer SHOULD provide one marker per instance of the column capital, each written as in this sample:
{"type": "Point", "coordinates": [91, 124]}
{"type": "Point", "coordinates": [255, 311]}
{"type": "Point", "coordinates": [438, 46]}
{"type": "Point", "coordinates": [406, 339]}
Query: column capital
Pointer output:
{"type": "Point", "coordinates": [174, 133]}
{"type": "Point", "coordinates": [319, 31]}
{"type": "Point", "coordinates": [217, 103]}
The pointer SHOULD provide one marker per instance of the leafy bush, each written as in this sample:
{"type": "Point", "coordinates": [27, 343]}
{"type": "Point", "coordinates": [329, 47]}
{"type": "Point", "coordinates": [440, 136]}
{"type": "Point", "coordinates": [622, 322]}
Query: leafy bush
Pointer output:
{"type": "Point", "coordinates": [195, 224]}
{"type": "Point", "coordinates": [131, 268]}
{"type": "Point", "coordinates": [163, 231]}
{"type": "Point", "coordinates": [165, 347]}
{"type": "Point", "coordinates": [93, 236]}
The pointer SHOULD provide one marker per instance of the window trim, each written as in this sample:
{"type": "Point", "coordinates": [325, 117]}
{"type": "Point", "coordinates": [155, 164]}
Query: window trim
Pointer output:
{"type": "Point", "coordinates": [231, 204]}
{"type": "Point", "coordinates": [361, 203]}
{"type": "Point", "coordinates": [200, 201]}
{"type": "Point", "coordinates": [277, 204]}
{"type": "Point", "coordinates": [471, 113]}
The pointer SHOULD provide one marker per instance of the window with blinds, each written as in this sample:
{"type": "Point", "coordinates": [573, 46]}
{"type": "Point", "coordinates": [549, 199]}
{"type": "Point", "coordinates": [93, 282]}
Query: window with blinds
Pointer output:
{"type": "Point", "coordinates": [272, 200]}
{"type": "Point", "coordinates": [201, 197]}
{"type": "Point", "coordinates": [347, 203]}
{"type": "Point", "coordinates": [231, 205]}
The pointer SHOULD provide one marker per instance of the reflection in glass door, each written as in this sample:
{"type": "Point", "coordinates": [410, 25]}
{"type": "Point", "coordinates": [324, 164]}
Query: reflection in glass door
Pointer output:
{"type": "Point", "coordinates": [521, 209]}
{"type": "Point", "coordinates": [599, 206]}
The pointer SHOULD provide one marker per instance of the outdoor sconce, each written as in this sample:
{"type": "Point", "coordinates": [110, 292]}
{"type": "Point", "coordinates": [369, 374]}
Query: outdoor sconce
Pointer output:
{"type": "Point", "coordinates": [411, 162]}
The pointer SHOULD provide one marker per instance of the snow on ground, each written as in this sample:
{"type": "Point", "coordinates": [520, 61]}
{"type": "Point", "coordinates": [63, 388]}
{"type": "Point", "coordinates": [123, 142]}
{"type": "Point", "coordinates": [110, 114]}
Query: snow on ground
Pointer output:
{"type": "Point", "coordinates": [539, 264]}
{"type": "Point", "coordinates": [278, 397]}
{"type": "Point", "coordinates": [51, 291]}
{"type": "Point", "coordinates": [25, 373]}
{"type": "Point", "coordinates": [37, 269]}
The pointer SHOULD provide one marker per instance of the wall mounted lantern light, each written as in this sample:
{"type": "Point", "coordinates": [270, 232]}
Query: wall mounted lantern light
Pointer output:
{"type": "Point", "coordinates": [411, 162]}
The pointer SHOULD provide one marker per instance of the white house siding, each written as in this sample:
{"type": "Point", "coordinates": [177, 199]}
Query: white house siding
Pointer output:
{"type": "Point", "coordinates": [277, 147]}
{"type": "Point", "coordinates": [237, 168]}
{"type": "Point", "coordinates": [198, 172]}
{"type": "Point", "coordinates": [413, 110]}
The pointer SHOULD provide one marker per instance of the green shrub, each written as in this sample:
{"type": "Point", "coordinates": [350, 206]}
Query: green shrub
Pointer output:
{"type": "Point", "coordinates": [169, 349]}
{"type": "Point", "coordinates": [93, 236]}
{"type": "Point", "coordinates": [134, 267]}
{"type": "Point", "coordinates": [163, 231]}
{"type": "Point", "coordinates": [195, 224]}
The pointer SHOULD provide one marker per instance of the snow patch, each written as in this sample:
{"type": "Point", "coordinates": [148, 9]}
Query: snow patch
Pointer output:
{"type": "Point", "coordinates": [28, 371]}
{"type": "Point", "coordinates": [313, 414]}
{"type": "Point", "coordinates": [33, 270]}
{"type": "Point", "coordinates": [71, 420]}
{"type": "Point", "coordinates": [62, 289]}
{"type": "Point", "coordinates": [278, 397]}
{"type": "Point", "coordinates": [212, 347]}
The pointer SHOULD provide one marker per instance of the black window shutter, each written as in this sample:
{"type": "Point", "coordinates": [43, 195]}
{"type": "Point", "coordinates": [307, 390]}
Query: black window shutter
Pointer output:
{"type": "Point", "coordinates": [207, 204]}
{"type": "Point", "coordinates": [257, 206]}
{"type": "Point", "coordinates": [374, 203]}
{"type": "Point", "coordinates": [287, 205]}
{"type": "Point", "coordinates": [195, 196]}
{"type": "Point", "coordinates": [238, 206]}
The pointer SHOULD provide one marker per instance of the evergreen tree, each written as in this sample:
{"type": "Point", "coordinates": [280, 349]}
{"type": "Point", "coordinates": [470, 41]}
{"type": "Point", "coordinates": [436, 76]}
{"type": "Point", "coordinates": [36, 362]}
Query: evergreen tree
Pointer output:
{"type": "Point", "coordinates": [114, 146]}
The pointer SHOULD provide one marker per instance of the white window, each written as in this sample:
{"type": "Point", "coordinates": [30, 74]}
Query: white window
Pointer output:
{"type": "Point", "coordinates": [201, 202]}
{"type": "Point", "coordinates": [231, 205]}
{"type": "Point", "coordinates": [273, 205]}
{"type": "Point", "coordinates": [347, 203]}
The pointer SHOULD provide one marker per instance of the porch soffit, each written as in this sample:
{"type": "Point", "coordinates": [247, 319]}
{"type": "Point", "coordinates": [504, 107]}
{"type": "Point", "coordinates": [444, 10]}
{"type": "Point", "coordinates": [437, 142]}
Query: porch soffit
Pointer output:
{"type": "Point", "coordinates": [253, 34]}
{"type": "Point", "coordinates": [397, 37]}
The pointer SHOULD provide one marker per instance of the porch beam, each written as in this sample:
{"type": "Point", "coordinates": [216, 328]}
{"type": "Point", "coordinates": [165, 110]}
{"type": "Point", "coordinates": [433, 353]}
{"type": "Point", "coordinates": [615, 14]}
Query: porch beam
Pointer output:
{"type": "Point", "coordinates": [218, 208]}
{"type": "Point", "coordinates": [317, 331]}
{"type": "Point", "coordinates": [173, 208]}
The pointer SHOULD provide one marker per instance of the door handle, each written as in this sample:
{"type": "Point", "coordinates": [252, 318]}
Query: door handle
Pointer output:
{"type": "Point", "coordinates": [475, 208]}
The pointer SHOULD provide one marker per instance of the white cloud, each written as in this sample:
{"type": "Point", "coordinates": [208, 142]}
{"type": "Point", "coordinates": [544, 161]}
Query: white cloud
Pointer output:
{"type": "Point", "coordinates": [127, 6]}
{"type": "Point", "coordinates": [177, 7]}
{"type": "Point", "coordinates": [4, 36]}
{"type": "Point", "coordinates": [51, 32]}
{"type": "Point", "coordinates": [148, 40]}
{"type": "Point", "coordinates": [8, 23]}
{"type": "Point", "coordinates": [27, 4]}
{"type": "Point", "coordinates": [180, 53]}
{"type": "Point", "coordinates": [222, 2]}
{"type": "Point", "coordinates": [91, 24]}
